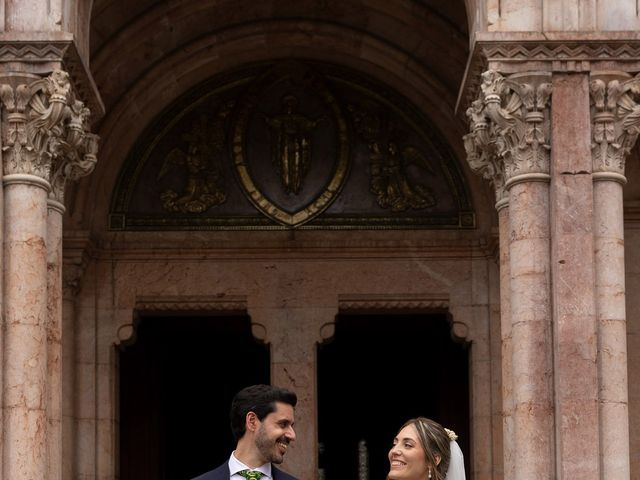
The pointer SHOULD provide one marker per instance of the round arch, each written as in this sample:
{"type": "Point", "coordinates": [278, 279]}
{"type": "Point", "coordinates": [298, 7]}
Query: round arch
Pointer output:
{"type": "Point", "coordinates": [137, 86]}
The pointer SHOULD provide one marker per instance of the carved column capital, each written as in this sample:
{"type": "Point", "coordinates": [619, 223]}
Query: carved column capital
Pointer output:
{"type": "Point", "coordinates": [45, 130]}
{"type": "Point", "coordinates": [615, 123]}
{"type": "Point", "coordinates": [510, 125]}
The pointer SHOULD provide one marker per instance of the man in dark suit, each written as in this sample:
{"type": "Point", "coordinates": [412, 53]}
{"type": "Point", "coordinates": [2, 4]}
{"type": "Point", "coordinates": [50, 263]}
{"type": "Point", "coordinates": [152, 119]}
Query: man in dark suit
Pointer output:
{"type": "Point", "coordinates": [262, 425]}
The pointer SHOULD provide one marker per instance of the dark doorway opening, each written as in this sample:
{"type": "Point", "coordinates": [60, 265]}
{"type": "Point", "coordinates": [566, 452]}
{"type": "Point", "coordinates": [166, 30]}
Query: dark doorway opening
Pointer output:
{"type": "Point", "coordinates": [376, 373]}
{"type": "Point", "coordinates": [176, 385]}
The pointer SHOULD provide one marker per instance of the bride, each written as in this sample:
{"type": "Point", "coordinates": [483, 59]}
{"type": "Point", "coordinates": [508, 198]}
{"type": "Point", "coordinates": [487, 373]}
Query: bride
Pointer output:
{"type": "Point", "coordinates": [422, 450]}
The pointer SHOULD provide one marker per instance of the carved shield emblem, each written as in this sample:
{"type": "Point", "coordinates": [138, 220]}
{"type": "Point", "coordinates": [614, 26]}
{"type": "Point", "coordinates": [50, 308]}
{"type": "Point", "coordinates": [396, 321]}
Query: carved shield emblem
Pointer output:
{"type": "Point", "coordinates": [290, 144]}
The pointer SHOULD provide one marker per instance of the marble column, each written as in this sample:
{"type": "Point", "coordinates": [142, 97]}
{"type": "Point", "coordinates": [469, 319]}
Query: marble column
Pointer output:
{"type": "Point", "coordinates": [26, 163]}
{"type": "Point", "coordinates": [531, 328]}
{"type": "Point", "coordinates": [25, 353]}
{"type": "Point", "coordinates": [509, 140]}
{"type": "Point", "coordinates": [483, 160]}
{"type": "Point", "coordinates": [505, 334]}
{"type": "Point", "coordinates": [43, 133]}
{"type": "Point", "coordinates": [614, 132]}
{"type": "Point", "coordinates": [572, 266]}
{"type": "Point", "coordinates": [54, 337]}
{"type": "Point", "coordinates": [611, 315]}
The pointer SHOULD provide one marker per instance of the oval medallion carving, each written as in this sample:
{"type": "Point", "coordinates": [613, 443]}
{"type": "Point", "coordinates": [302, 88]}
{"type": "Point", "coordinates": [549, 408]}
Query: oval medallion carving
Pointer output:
{"type": "Point", "coordinates": [290, 144]}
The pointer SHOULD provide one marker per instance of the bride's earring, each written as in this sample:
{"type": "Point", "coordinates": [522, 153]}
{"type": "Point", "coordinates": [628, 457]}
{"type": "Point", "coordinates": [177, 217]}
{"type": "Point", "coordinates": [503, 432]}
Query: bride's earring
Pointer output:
{"type": "Point", "coordinates": [429, 472]}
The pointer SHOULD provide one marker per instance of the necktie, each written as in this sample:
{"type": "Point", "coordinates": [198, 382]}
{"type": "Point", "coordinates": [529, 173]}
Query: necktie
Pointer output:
{"type": "Point", "coordinates": [251, 474]}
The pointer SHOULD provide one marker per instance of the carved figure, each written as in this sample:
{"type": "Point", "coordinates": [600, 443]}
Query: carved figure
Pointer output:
{"type": "Point", "coordinates": [389, 178]}
{"type": "Point", "coordinates": [389, 163]}
{"type": "Point", "coordinates": [204, 187]}
{"type": "Point", "coordinates": [291, 145]}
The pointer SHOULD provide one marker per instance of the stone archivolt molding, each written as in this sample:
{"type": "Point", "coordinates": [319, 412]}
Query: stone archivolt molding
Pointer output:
{"type": "Point", "coordinates": [510, 127]}
{"type": "Point", "coordinates": [45, 132]}
{"type": "Point", "coordinates": [615, 124]}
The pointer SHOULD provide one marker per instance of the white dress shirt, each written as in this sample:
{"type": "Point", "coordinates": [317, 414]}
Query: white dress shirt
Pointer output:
{"type": "Point", "coordinates": [236, 466]}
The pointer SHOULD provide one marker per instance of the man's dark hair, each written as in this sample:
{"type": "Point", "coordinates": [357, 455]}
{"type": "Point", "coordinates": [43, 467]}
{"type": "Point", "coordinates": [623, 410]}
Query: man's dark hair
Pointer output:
{"type": "Point", "coordinates": [259, 399]}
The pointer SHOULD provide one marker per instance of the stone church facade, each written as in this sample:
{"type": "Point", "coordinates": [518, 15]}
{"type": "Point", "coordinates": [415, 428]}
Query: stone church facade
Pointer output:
{"type": "Point", "coordinates": [311, 168]}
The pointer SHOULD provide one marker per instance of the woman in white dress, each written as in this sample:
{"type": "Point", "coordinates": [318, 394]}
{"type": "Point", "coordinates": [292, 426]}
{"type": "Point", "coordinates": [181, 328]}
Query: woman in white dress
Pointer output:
{"type": "Point", "coordinates": [424, 449]}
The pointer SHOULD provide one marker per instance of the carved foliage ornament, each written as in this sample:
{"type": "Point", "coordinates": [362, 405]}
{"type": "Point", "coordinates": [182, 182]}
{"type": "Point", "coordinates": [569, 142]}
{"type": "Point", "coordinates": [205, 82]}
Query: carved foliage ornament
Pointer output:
{"type": "Point", "coordinates": [45, 132]}
{"type": "Point", "coordinates": [510, 127]}
{"type": "Point", "coordinates": [615, 118]}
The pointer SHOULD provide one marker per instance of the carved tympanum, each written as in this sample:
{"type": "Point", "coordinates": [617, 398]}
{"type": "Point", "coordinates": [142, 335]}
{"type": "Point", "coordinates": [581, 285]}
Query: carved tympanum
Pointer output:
{"type": "Point", "coordinates": [45, 132]}
{"type": "Point", "coordinates": [615, 122]}
{"type": "Point", "coordinates": [509, 128]}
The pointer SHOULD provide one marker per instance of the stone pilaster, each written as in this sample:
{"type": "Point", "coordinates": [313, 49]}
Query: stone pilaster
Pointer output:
{"type": "Point", "coordinates": [76, 252]}
{"type": "Point", "coordinates": [510, 128]}
{"type": "Point", "coordinates": [572, 269]}
{"type": "Point", "coordinates": [615, 114]}
{"type": "Point", "coordinates": [41, 136]}
{"type": "Point", "coordinates": [294, 333]}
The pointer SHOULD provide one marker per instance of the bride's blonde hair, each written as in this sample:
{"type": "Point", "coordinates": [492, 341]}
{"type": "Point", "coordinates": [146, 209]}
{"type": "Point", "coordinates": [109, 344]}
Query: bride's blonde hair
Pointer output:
{"type": "Point", "coordinates": [435, 444]}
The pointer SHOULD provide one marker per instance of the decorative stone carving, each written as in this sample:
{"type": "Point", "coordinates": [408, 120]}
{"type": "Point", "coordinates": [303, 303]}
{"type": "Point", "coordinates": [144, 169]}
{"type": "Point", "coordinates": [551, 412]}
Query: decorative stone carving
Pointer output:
{"type": "Point", "coordinates": [79, 152]}
{"type": "Point", "coordinates": [291, 137]}
{"type": "Point", "coordinates": [480, 147]}
{"type": "Point", "coordinates": [548, 52]}
{"type": "Point", "coordinates": [42, 53]}
{"type": "Point", "coordinates": [615, 122]}
{"type": "Point", "coordinates": [381, 302]}
{"type": "Point", "coordinates": [45, 132]}
{"type": "Point", "coordinates": [389, 162]}
{"type": "Point", "coordinates": [202, 162]}
{"type": "Point", "coordinates": [192, 304]}
{"type": "Point", "coordinates": [509, 129]}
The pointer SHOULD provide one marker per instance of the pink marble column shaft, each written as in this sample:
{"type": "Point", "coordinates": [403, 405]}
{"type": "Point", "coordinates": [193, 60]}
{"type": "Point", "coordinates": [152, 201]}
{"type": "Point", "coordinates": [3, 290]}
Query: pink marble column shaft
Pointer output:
{"type": "Point", "coordinates": [507, 349]}
{"type": "Point", "coordinates": [573, 280]}
{"type": "Point", "coordinates": [611, 316]}
{"type": "Point", "coordinates": [54, 338]}
{"type": "Point", "coordinates": [533, 446]}
{"type": "Point", "coordinates": [25, 353]}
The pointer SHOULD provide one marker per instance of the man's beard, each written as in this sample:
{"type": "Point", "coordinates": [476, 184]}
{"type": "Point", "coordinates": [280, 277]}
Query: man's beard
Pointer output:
{"type": "Point", "coordinates": [268, 448]}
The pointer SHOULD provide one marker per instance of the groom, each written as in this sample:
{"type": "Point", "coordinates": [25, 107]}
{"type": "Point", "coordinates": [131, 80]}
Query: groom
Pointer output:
{"type": "Point", "coordinates": [262, 425]}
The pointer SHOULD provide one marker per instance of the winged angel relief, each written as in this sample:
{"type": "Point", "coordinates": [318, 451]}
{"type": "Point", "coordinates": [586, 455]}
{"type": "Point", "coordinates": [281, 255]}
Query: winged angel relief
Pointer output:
{"type": "Point", "coordinates": [205, 181]}
{"type": "Point", "coordinates": [389, 166]}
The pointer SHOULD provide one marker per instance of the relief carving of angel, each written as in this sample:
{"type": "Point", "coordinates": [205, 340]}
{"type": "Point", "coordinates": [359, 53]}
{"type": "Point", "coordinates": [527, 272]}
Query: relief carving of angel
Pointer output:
{"type": "Point", "coordinates": [389, 178]}
{"type": "Point", "coordinates": [204, 186]}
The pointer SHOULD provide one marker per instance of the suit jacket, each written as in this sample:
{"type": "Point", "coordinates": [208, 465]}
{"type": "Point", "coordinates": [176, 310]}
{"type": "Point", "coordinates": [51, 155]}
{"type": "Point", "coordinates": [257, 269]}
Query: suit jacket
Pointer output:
{"type": "Point", "coordinates": [222, 473]}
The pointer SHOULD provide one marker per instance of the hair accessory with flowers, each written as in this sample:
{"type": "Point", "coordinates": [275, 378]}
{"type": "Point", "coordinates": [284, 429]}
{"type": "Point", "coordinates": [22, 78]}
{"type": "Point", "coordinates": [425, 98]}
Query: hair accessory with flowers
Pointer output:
{"type": "Point", "coordinates": [452, 435]}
